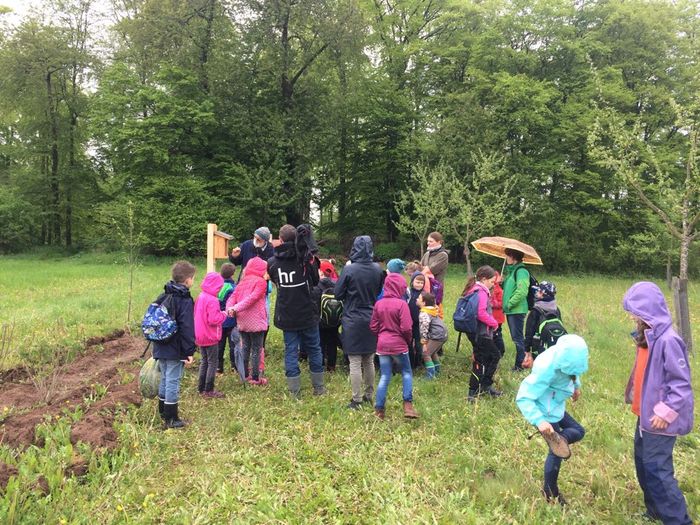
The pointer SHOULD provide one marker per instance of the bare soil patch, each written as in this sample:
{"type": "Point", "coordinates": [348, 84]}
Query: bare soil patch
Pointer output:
{"type": "Point", "coordinates": [107, 365]}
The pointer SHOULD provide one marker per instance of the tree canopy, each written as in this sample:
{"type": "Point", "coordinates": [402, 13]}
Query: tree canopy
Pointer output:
{"type": "Point", "coordinates": [249, 112]}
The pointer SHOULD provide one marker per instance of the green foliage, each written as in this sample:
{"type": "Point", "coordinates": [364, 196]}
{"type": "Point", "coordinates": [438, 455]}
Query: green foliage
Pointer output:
{"type": "Point", "coordinates": [319, 110]}
{"type": "Point", "coordinates": [19, 219]}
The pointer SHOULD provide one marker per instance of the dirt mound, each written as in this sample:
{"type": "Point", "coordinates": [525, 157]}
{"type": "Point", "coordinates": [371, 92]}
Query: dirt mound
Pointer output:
{"type": "Point", "coordinates": [6, 472]}
{"type": "Point", "coordinates": [113, 370]}
{"type": "Point", "coordinates": [14, 375]}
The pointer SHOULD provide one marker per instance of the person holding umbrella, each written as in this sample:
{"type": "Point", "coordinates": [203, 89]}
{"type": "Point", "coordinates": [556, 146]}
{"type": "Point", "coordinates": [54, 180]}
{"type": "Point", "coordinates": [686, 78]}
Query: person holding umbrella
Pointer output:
{"type": "Point", "coordinates": [516, 282]}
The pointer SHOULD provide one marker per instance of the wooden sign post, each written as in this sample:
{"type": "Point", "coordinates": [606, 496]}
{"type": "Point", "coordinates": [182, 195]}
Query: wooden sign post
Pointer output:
{"type": "Point", "coordinates": [217, 246]}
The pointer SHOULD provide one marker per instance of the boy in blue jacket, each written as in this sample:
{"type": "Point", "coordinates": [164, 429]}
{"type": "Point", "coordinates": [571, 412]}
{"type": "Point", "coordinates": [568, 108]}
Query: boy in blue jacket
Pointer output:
{"type": "Point", "coordinates": [555, 377]}
{"type": "Point", "coordinates": [173, 353]}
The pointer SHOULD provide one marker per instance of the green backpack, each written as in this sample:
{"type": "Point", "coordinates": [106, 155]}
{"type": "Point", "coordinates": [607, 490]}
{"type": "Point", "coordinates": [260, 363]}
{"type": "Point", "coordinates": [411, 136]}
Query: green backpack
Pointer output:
{"type": "Point", "coordinates": [149, 379]}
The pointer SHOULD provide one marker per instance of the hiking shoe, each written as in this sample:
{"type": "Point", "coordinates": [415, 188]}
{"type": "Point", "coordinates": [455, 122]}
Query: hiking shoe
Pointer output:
{"type": "Point", "coordinates": [214, 394]}
{"type": "Point", "coordinates": [379, 412]}
{"type": "Point", "coordinates": [261, 381]}
{"type": "Point", "coordinates": [354, 405]}
{"type": "Point", "coordinates": [493, 392]}
{"type": "Point", "coordinates": [559, 498]}
{"type": "Point", "coordinates": [408, 410]}
{"type": "Point", "coordinates": [367, 399]}
{"type": "Point", "coordinates": [558, 444]}
{"type": "Point", "coordinates": [472, 396]}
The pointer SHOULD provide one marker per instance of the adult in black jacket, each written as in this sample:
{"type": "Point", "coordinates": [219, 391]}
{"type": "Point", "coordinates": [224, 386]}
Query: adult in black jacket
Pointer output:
{"type": "Point", "coordinates": [358, 288]}
{"type": "Point", "coordinates": [296, 307]}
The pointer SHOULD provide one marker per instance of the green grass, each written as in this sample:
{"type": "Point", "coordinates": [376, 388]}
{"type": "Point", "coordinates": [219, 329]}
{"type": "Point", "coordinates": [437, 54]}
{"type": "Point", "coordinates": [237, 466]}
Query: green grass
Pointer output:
{"type": "Point", "coordinates": [260, 457]}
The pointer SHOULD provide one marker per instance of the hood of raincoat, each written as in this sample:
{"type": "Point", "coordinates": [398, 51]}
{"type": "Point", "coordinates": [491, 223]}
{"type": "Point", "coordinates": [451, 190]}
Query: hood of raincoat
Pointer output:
{"type": "Point", "coordinates": [256, 266]}
{"type": "Point", "coordinates": [394, 286]}
{"type": "Point", "coordinates": [212, 283]}
{"type": "Point", "coordinates": [362, 250]}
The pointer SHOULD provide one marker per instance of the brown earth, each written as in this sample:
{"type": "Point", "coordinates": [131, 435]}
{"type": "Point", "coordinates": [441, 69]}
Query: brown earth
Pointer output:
{"type": "Point", "coordinates": [6, 472]}
{"type": "Point", "coordinates": [76, 381]}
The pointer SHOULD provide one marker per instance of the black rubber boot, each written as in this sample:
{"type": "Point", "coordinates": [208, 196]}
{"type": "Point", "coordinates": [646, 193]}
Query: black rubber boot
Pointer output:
{"type": "Point", "coordinates": [161, 408]}
{"type": "Point", "coordinates": [172, 419]}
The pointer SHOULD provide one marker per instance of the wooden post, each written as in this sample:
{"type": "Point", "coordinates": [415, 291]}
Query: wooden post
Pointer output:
{"type": "Point", "coordinates": [211, 262]}
{"type": "Point", "coordinates": [680, 303]}
{"type": "Point", "coordinates": [669, 274]}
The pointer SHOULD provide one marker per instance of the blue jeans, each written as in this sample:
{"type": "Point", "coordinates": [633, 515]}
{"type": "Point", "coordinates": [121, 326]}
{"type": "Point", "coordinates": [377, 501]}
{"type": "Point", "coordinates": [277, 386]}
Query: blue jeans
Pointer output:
{"type": "Point", "coordinates": [170, 374]}
{"type": "Point", "coordinates": [516, 325]}
{"type": "Point", "coordinates": [310, 343]}
{"type": "Point", "coordinates": [573, 432]}
{"type": "Point", "coordinates": [653, 460]}
{"type": "Point", "coordinates": [385, 365]}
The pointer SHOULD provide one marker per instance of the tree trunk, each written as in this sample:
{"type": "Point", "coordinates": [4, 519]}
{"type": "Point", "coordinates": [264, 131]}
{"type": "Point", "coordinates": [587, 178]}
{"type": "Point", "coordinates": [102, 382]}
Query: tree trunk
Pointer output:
{"type": "Point", "coordinates": [467, 256]}
{"type": "Point", "coordinates": [54, 187]}
{"type": "Point", "coordinates": [288, 155]}
{"type": "Point", "coordinates": [343, 153]}
{"type": "Point", "coordinates": [685, 248]}
{"type": "Point", "coordinates": [205, 47]}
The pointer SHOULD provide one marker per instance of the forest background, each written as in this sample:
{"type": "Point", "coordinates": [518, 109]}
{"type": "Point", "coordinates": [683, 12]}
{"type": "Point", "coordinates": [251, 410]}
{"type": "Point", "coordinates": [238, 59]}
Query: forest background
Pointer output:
{"type": "Point", "coordinates": [248, 112]}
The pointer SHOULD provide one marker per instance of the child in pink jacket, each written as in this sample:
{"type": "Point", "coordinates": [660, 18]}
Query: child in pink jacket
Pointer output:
{"type": "Point", "coordinates": [391, 322]}
{"type": "Point", "coordinates": [486, 354]}
{"type": "Point", "coordinates": [248, 304]}
{"type": "Point", "coordinates": [208, 319]}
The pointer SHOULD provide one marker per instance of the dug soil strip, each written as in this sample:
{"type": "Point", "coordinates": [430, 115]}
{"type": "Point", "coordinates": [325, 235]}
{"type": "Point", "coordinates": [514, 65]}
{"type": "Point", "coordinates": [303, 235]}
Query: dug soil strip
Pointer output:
{"type": "Point", "coordinates": [76, 381]}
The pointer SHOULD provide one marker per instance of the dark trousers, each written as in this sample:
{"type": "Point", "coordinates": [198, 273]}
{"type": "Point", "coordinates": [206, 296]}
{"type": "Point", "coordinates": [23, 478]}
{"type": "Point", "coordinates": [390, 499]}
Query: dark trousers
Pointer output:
{"type": "Point", "coordinates": [486, 358]}
{"type": "Point", "coordinates": [207, 367]}
{"type": "Point", "coordinates": [653, 460]}
{"type": "Point", "coordinates": [573, 432]}
{"type": "Point", "coordinates": [498, 340]}
{"type": "Point", "coordinates": [225, 334]}
{"type": "Point", "coordinates": [329, 345]}
{"type": "Point", "coordinates": [516, 325]}
{"type": "Point", "coordinates": [416, 348]}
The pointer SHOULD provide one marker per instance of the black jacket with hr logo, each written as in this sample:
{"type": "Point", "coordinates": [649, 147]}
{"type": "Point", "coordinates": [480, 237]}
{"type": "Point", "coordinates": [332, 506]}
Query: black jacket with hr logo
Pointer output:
{"type": "Point", "coordinates": [296, 307]}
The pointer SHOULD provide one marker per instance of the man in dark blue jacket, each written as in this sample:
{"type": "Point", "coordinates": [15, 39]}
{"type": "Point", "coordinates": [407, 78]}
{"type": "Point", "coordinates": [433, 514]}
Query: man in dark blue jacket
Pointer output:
{"type": "Point", "coordinates": [295, 273]}
{"type": "Point", "coordinates": [173, 353]}
{"type": "Point", "coordinates": [258, 246]}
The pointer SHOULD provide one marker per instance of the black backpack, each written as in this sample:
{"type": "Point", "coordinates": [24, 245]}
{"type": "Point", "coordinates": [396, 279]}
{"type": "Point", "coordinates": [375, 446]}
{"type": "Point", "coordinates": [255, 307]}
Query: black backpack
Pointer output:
{"type": "Point", "coordinates": [530, 289]}
{"type": "Point", "coordinates": [331, 311]}
{"type": "Point", "coordinates": [548, 333]}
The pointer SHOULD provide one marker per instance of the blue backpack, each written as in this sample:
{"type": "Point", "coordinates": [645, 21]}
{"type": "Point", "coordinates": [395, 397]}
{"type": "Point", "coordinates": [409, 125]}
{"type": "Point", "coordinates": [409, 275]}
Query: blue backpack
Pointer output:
{"type": "Point", "coordinates": [159, 324]}
{"type": "Point", "coordinates": [464, 318]}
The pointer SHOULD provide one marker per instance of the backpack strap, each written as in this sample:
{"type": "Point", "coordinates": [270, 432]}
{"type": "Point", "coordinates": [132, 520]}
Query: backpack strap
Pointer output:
{"type": "Point", "coordinates": [145, 350]}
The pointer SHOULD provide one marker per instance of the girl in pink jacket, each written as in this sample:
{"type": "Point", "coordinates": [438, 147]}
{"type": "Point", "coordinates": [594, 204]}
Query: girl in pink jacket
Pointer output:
{"type": "Point", "coordinates": [208, 319]}
{"type": "Point", "coordinates": [486, 355]}
{"type": "Point", "coordinates": [247, 303]}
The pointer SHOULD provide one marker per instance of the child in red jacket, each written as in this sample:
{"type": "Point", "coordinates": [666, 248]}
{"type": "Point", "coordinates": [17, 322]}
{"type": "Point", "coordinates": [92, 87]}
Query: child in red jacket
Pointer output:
{"type": "Point", "coordinates": [391, 321]}
{"type": "Point", "coordinates": [498, 315]}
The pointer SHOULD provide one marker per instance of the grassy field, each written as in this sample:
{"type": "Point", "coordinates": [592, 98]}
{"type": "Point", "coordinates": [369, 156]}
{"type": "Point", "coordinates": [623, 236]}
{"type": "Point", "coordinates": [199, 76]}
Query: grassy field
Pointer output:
{"type": "Point", "coordinates": [260, 457]}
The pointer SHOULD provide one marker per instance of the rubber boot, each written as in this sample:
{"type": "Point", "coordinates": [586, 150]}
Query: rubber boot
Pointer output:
{"type": "Point", "coordinates": [172, 420]}
{"type": "Point", "coordinates": [317, 382]}
{"type": "Point", "coordinates": [161, 408]}
{"type": "Point", "coordinates": [294, 385]}
{"type": "Point", "coordinates": [436, 365]}
{"type": "Point", "coordinates": [409, 411]}
{"type": "Point", "coordinates": [429, 370]}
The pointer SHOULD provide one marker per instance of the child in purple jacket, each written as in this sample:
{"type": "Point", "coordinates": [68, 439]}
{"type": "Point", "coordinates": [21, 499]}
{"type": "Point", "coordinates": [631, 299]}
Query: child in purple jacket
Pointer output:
{"type": "Point", "coordinates": [661, 395]}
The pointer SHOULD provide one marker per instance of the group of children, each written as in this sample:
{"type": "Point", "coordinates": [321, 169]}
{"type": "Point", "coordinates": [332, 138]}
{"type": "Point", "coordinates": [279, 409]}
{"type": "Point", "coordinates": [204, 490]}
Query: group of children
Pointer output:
{"type": "Point", "coordinates": [407, 319]}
